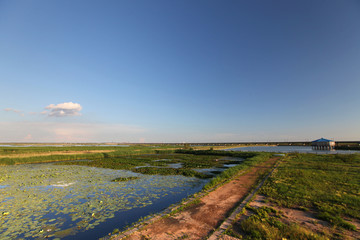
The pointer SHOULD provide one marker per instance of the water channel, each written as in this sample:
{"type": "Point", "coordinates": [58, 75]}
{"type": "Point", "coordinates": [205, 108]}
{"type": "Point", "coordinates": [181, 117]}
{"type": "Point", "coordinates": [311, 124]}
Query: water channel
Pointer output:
{"type": "Point", "coordinates": [49, 201]}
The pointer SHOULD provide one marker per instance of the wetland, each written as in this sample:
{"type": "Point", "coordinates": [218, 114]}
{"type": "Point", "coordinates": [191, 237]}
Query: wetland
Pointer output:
{"type": "Point", "coordinates": [41, 201]}
{"type": "Point", "coordinates": [90, 198]}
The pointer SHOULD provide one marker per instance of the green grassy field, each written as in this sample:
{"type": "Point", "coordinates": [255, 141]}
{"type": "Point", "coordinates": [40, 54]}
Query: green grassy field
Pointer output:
{"type": "Point", "coordinates": [153, 160]}
{"type": "Point", "coordinates": [145, 159]}
{"type": "Point", "coordinates": [39, 154]}
{"type": "Point", "coordinates": [160, 163]}
{"type": "Point", "coordinates": [265, 223]}
{"type": "Point", "coordinates": [327, 185]}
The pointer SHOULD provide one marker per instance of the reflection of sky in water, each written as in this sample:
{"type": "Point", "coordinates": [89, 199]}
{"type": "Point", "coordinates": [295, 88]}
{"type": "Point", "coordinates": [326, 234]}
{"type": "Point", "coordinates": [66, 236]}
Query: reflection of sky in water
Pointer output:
{"type": "Point", "coordinates": [210, 171]}
{"type": "Point", "coordinates": [76, 198]}
{"type": "Point", "coordinates": [175, 165]}
{"type": "Point", "coordinates": [229, 165]}
{"type": "Point", "coordinates": [214, 171]}
{"type": "Point", "coordinates": [170, 165]}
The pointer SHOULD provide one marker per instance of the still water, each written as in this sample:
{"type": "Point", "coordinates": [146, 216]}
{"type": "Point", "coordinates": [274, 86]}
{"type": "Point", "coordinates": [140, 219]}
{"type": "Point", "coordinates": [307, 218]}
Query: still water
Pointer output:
{"type": "Point", "coordinates": [288, 149]}
{"type": "Point", "coordinates": [51, 201]}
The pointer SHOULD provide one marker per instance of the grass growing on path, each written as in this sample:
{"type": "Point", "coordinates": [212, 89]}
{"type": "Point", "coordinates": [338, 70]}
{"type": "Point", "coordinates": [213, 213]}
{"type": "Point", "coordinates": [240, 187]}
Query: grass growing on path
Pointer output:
{"type": "Point", "coordinates": [231, 172]}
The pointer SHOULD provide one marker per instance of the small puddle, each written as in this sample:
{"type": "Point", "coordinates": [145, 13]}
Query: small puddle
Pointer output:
{"type": "Point", "coordinates": [229, 165]}
{"type": "Point", "coordinates": [170, 165]}
{"type": "Point", "coordinates": [174, 165]}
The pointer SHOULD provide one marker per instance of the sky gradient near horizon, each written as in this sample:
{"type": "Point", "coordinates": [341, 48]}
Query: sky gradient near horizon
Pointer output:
{"type": "Point", "coordinates": [179, 71]}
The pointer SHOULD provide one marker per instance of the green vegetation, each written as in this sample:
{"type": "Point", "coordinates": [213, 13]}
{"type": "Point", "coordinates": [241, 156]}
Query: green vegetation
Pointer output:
{"type": "Point", "coordinates": [144, 159]}
{"type": "Point", "coordinates": [245, 165]}
{"type": "Point", "coordinates": [348, 147]}
{"type": "Point", "coordinates": [326, 185]}
{"type": "Point", "coordinates": [329, 184]}
{"type": "Point", "coordinates": [265, 223]}
{"type": "Point", "coordinates": [336, 220]}
{"type": "Point", "coordinates": [44, 200]}
{"type": "Point", "coordinates": [27, 182]}
{"type": "Point", "coordinates": [51, 158]}
{"type": "Point", "coordinates": [171, 171]}
{"type": "Point", "coordinates": [218, 153]}
{"type": "Point", "coordinates": [183, 207]}
{"type": "Point", "coordinates": [162, 163]}
{"type": "Point", "coordinates": [124, 179]}
{"type": "Point", "coordinates": [188, 160]}
{"type": "Point", "coordinates": [23, 155]}
{"type": "Point", "coordinates": [22, 151]}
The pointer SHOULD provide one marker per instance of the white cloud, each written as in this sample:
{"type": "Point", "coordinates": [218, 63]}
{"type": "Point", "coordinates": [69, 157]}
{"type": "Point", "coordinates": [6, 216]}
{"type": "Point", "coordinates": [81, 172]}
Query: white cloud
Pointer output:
{"type": "Point", "coordinates": [11, 110]}
{"type": "Point", "coordinates": [15, 111]}
{"type": "Point", "coordinates": [63, 109]}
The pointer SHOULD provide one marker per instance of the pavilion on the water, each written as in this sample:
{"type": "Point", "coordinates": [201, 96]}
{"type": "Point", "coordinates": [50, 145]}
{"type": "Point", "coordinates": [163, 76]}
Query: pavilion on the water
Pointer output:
{"type": "Point", "coordinates": [323, 144]}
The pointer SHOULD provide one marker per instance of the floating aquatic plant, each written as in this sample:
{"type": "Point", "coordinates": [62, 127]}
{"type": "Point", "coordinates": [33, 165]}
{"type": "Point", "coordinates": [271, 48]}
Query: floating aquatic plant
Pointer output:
{"type": "Point", "coordinates": [51, 201]}
{"type": "Point", "coordinates": [124, 179]}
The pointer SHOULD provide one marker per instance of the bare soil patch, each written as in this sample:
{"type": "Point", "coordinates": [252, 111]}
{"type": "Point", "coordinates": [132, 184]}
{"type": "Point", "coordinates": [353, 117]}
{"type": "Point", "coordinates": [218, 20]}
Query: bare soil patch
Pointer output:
{"type": "Point", "coordinates": [198, 221]}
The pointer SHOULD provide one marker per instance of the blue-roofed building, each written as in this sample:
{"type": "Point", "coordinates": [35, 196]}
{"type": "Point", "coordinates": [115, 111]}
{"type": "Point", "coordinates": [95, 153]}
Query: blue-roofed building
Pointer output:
{"type": "Point", "coordinates": [323, 144]}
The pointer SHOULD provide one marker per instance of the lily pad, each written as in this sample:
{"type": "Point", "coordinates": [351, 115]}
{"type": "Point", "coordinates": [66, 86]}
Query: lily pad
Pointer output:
{"type": "Point", "coordinates": [39, 201]}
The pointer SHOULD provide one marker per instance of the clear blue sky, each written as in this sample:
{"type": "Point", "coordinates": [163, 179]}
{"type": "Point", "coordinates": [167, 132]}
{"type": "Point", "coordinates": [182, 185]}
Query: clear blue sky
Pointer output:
{"type": "Point", "coordinates": [179, 71]}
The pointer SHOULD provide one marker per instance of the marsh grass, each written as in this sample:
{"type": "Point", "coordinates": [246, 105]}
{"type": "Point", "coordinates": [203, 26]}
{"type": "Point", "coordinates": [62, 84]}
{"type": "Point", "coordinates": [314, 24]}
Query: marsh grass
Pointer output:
{"type": "Point", "coordinates": [80, 196]}
{"type": "Point", "coordinates": [251, 160]}
{"type": "Point", "coordinates": [157, 164]}
{"type": "Point", "coordinates": [329, 184]}
{"type": "Point", "coordinates": [218, 153]}
{"type": "Point", "coordinates": [31, 150]}
{"type": "Point", "coordinates": [124, 179]}
{"type": "Point", "coordinates": [186, 206]}
{"type": "Point", "coordinates": [23, 155]}
{"type": "Point", "coordinates": [265, 223]}
{"type": "Point", "coordinates": [171, 171]}
{"type": "Point", "coordinates": [51, 158]}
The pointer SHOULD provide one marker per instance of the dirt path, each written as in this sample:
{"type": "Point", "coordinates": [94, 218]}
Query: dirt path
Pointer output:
{"type": "Point", "coordinates": [198, 221]}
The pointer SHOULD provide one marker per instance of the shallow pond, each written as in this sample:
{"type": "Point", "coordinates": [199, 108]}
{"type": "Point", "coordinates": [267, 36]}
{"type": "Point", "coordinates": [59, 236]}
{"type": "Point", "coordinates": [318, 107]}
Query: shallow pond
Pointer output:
{"type": "Point", "coordinates": [40, 201]}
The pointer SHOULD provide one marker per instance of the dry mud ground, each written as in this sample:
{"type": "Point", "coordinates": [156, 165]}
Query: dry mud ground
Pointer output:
{"type": "Point", "coordinates": [199, 220]}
